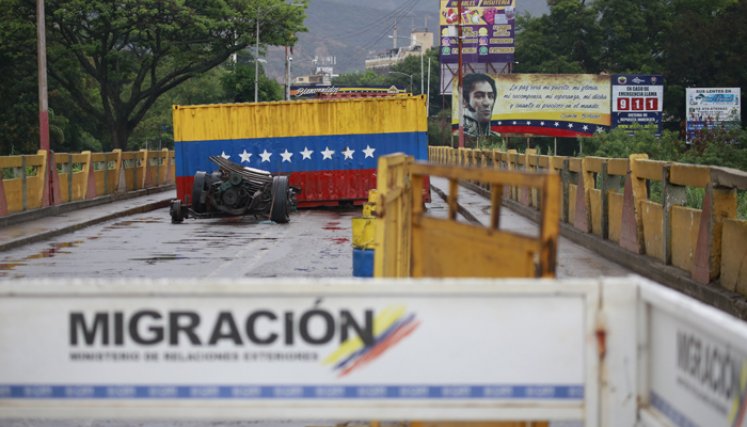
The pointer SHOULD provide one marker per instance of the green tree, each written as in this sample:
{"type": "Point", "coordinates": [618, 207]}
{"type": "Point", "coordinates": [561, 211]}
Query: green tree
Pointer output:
{"type": "Point", "coordinates": [115, 59]}
{"type": "Point", "coordinates": [18, 114]}
{"type": "Point", "coordinates": [360, 78]}
{"type": "Point", "coordinates": [568, 40]}
{"type": "Point", "coordinates": [633, 34]}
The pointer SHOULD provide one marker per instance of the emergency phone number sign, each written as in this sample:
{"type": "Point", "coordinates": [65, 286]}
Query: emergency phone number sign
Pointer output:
{"type": "Point", "coordinates": [637, 100]}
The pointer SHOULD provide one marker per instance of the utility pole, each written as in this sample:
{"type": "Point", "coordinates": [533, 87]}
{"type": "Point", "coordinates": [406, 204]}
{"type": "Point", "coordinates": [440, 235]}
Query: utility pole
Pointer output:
{"type": "Point", "coordinates": [422, 86]}
{"type": "Point", "coordinates": [41, 58]}
{"type": "Point", "coordinates": [459, 75]}
{"type": "Point", "coordinates": [288, 60]}
{"type": "Point", "coordinates": [428, 97]}
{"type": "Point", "coordinates": [394, 35]}
{"type": "Point", "coordinates": [256, 61]}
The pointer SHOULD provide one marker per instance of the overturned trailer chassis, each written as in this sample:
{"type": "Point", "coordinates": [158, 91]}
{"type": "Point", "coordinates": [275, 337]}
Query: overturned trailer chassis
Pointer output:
{"type": "Point", "coordinates": [234, 190]}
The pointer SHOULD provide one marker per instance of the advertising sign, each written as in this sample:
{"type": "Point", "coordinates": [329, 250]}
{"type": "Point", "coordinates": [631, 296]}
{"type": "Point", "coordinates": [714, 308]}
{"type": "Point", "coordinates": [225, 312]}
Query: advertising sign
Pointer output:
{"type": "Point", "coordinates": [318, 349]}
{"type": "Point", "coordinates": [710, 108]}
{"type": "Point", "coordinates": [487, 31]}
{"type": "Point", "coordinates": [320, 91]}
{"type": "Point", "coordinates": [637, 100]}
{"type": "Point", "coordinates": [563, 105]}
{"type": "Point", "coordinates": [698, 378]}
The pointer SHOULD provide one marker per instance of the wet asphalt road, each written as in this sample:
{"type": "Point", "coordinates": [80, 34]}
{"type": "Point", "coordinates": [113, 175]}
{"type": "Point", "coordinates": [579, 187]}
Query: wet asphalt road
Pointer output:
{"type": "Point", "coordinates": [316, 243]}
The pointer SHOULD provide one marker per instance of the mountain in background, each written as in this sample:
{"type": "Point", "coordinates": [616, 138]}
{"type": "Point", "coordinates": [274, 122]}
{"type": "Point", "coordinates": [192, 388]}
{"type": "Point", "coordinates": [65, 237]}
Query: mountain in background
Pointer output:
{"type": "Point", "coordinates": [352, 30]}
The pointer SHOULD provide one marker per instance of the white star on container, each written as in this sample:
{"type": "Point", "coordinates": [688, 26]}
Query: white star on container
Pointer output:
{"type": "Point", "coordinates": [348, 153]}
{"type": "Point", "coordinates": [570, 125]}
{"type": "Point", "coordinates": [224, 155]}
{"type": "Point", "coordinates": [514, 123]}
{"type": "Point", "coordinates": [245, 157]}
{"type": "Point", "coordinates": [327, 153]}
{"type": "Point", "coordinates": [265, 156]}
{"type": "Point", "coordinates": [368, 151]}
{"type": "Point", "coordinates": [286, 155]}
{"type": "Point", "coordinates": [542, 123]}
{"type": "Point", "coordinates": [557, 124]}
{"type": "Point", "coordinates": [306, 153]}
{"type": "Point", "coordinates": [529, 123]}
{"type": "Point", "coordinates": [586, 127]}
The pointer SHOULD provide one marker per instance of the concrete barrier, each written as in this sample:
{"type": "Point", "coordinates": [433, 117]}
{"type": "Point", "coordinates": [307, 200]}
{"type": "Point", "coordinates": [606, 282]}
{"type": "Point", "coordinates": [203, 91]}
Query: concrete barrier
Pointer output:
{"type": "Point", "coordinates": [25, 182]}
{"type": "Point", "coordinates": [609, 199]}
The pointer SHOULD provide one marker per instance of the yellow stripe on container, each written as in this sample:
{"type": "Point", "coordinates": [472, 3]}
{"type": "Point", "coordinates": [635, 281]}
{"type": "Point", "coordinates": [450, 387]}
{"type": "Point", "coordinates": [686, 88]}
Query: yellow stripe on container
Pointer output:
{"type": "Point", "coordinates": [353, 116]}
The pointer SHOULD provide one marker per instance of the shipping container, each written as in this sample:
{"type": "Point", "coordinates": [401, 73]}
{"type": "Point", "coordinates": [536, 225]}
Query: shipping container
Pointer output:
{"type": "Point", "coordinates": [328, 147]}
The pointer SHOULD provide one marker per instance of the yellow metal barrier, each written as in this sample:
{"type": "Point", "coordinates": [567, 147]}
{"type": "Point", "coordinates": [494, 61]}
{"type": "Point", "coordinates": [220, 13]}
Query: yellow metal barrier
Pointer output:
{"type": "Point", "coordinates": [412, 244]}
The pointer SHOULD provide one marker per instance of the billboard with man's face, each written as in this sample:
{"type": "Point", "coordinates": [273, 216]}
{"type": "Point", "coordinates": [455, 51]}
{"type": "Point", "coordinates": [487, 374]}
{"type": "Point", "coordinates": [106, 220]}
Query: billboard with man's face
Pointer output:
{"type": "Point", "coordinates": [563, 105]}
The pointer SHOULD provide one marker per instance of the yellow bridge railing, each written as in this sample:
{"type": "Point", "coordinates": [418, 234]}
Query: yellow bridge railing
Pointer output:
{"type": "Point", "coordinates": [610, 198]}
{"type": "Point", "coordinates": [26, 181]}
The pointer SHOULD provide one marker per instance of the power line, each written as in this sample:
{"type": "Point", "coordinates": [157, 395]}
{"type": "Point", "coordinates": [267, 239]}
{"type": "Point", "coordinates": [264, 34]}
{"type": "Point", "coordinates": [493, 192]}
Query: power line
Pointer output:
{"type": "Point", "coordinates": [403, 12]}
{"type": "Point", "coordinates": [404, 9]}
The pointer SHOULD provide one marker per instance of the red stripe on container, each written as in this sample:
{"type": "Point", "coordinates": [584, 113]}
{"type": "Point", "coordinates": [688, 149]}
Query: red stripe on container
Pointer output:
{"type": "Point", "coordinates": [325, 188]}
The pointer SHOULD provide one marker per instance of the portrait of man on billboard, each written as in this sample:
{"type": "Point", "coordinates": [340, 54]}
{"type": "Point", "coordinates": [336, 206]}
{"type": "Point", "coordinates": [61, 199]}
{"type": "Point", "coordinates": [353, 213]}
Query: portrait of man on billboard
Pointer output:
{"type": "Point", "coordinates": [478, 98]}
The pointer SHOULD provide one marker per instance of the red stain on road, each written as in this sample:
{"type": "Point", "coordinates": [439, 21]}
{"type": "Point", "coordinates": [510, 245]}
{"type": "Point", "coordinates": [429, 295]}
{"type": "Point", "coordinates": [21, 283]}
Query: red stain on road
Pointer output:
{"type": "Point", "coordinates": [333, 226]}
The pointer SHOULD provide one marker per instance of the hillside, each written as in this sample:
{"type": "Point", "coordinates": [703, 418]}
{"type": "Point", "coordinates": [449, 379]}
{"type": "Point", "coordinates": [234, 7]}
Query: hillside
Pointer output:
{"type": "Point", "coordinates": [351, 30]}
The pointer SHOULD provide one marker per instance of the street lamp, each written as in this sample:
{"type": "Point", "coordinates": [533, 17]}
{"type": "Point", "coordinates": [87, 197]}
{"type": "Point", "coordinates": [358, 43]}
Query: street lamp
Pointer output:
{"type": "Point", "coordinates": [256, 77]}
{"type": "Point", "coordinates": [404, 74]}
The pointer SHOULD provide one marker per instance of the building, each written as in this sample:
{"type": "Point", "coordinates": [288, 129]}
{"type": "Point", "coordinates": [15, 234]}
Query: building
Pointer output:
{"type": "Point", "coordinates": [420, 42]}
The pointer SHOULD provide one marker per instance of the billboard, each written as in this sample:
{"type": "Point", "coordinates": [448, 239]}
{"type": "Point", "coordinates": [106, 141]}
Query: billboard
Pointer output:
{"type": "Point", "coordinates": [320, 91]}
{"type": "Point", "coordinates": [637, 100]}
{"type": "Point", "coordinates": [562, 105]}
{"type": "Point", "coordinates": [487, 31]}
{"type": "Point", "coordinates": [709, 108]}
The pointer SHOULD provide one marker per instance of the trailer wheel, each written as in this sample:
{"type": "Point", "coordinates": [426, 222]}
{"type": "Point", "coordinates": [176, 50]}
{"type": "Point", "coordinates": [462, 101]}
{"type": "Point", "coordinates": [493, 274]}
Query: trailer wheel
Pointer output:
{"type": "Point", "coordinates": [198, 190]}
{"type": "Point", "coordinates": [177, 216]}
{"type": "Point", "coordinates": [279, 209]}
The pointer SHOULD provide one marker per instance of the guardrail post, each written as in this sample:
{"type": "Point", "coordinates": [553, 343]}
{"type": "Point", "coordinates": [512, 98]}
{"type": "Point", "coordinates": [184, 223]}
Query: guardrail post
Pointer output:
{"type": "Point", "coordinates": [119, 172]}
{"type": "Point", "coordinates": [674, 195]}
{"type": "Point", "coordinates": [3, 200]}
{"type": "Point", "coordinates": [565, 176]}
{"type": "Point", "coordinates": [631, 229]}
{"type": "Point", "coordinates": [90, 176]}
{"type": "Point", "coordinates": [51, 192]}
{"type": "Point", "coordinates": [605, 201]}
{"type": "Point", "coordinates": [68, 167]}
{"type": "Point", "coordinates": [719, 203]}
{"type": "Point", "coordinates": [585, 182]}
{"type": "Point", "coordinates": [24, 185]}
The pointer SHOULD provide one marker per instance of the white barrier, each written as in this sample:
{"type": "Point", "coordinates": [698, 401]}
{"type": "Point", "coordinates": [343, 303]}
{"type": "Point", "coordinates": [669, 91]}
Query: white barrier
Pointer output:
{"type": "Point", "coordinates": [348, 349]}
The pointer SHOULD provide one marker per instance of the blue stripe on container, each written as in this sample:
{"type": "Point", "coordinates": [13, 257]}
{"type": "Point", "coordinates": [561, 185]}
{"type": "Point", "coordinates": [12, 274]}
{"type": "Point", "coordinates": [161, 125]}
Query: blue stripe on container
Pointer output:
{"type": "Point", "coordinates": [249, 392]}
{"type": "Point", "coordinates": [193, 156]}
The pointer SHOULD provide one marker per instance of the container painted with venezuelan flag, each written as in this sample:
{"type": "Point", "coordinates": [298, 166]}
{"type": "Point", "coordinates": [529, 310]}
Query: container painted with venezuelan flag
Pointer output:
{"type": "Point", "coordinates": [329, 148]}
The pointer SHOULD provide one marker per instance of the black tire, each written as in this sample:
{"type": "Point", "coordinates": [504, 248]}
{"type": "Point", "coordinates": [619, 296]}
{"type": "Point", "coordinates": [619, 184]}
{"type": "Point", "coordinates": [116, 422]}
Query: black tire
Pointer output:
{"type": "Point", "coordinates": [198, 191]}
{"type": "Point", "coordinates": [177, 215]}
{"type": "Point", "coordinates": [280, 207]}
